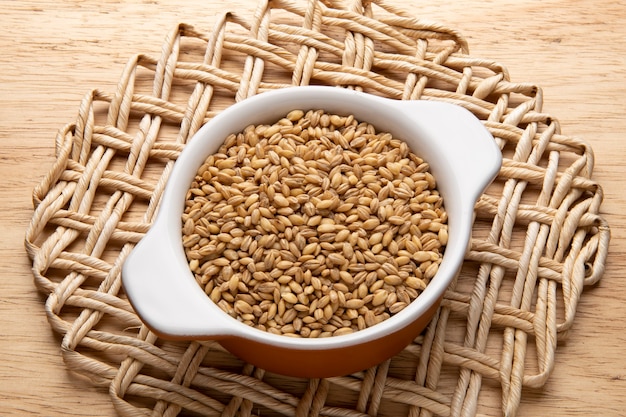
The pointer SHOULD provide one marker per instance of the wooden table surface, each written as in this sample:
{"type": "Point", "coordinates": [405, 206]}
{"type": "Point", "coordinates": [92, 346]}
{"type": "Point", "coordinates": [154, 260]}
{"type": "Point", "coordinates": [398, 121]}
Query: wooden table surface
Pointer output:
{"type": "Point", "coordinates": [52, 52]}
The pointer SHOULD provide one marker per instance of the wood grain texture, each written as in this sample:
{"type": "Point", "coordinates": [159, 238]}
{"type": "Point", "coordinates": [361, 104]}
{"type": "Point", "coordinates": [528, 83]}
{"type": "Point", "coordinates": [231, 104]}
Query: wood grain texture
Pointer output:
{"type": "Point", "coordinates": [53, 52]}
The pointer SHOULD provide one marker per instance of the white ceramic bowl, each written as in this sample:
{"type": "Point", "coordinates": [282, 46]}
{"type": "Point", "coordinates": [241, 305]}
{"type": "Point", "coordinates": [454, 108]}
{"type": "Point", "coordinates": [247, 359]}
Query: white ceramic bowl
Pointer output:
{"type": "Point", "coordinates": [463, 158]}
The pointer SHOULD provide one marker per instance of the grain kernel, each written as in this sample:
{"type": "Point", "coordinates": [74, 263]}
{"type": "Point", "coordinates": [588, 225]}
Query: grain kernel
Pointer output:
{"type": "Point", "coordinates": [326, 228]}
{"type": "Point", "coordinates": [379, 297]}
{"type": "Point", "coordinates": [394, 280]}
{"type": "Point", "coordinates": [295, 115]}
{"type": "Point", "coordinates": [371, 223]}
{"type": "Point", "coordinates": [354, 303]}
{"type": "Point", "coordinates": [281, 201]}
{"type": "Point", "coordinates": [415, 283]}
{"type": "Point", "coordinates": [343, 331]}
{"type": "Point", "coordinates": [289, 297]}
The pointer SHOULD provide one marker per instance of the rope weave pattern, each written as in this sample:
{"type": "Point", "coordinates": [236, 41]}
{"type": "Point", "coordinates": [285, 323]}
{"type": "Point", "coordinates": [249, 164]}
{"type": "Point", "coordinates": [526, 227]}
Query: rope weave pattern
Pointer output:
{"type": "Point", "coordinates": [538, 238]}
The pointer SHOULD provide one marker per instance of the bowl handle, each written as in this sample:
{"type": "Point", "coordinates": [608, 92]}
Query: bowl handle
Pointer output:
{"type": "Point", "coordinates": [469, 146]}
{"type": "Point", "coordinates": [164, 293]}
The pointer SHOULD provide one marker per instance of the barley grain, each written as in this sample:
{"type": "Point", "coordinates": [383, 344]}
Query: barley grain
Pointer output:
{"type": "Point", "coordinates": [313, 226]}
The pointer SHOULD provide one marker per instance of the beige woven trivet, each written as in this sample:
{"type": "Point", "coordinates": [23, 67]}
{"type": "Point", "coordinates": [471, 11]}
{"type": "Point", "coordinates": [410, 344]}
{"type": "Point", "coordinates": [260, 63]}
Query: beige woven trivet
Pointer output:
{"type": "Point", "coordinates": [538, 238]}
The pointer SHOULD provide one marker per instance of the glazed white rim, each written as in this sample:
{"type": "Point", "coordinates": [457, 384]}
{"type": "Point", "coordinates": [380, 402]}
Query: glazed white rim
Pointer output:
{"type": "Point", "coordinates": [463, 156]}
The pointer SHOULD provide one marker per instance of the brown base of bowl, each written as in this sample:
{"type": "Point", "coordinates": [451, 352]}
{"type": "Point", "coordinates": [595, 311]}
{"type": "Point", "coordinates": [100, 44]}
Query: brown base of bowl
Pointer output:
{"type": "Point", "coordinates": [329, 362]}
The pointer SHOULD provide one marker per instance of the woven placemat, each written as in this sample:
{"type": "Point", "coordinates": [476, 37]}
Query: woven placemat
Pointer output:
{"type": "Point", "coordinates": [538, 239]}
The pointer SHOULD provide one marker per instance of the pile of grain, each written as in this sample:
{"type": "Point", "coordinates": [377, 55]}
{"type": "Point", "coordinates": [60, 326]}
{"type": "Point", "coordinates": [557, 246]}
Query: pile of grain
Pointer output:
{"type": "Point", "coordinates": [314, 226]}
